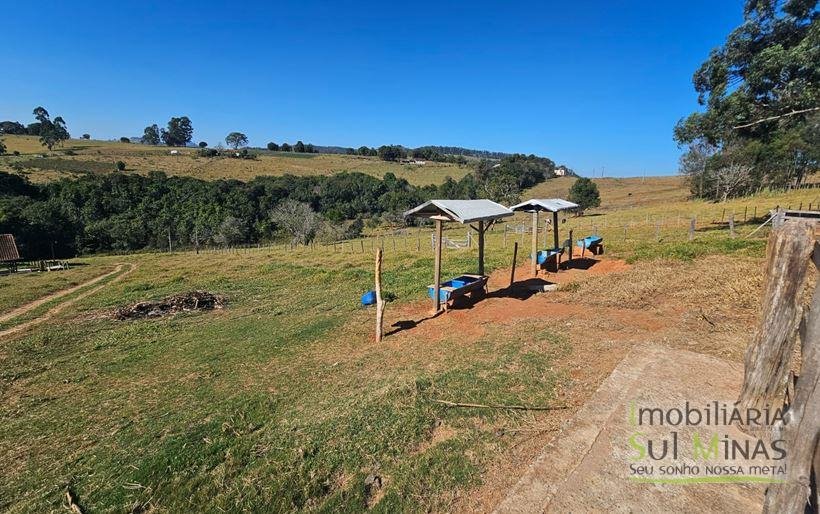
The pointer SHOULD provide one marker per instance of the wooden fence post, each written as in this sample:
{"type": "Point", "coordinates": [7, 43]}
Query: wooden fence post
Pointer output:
{"type": "Point", "coordinates": [379, 300]}
{"type": "Point", "coordinates": [800, 429]}
{"type": "Point", "coordinates": [732, 225]}
{"type": "Point", "coordinates": [768, 356]}
{"type": "Point", "coordinates": [692, 229]}
{"type": "Point", "coordinates": [515, 257]}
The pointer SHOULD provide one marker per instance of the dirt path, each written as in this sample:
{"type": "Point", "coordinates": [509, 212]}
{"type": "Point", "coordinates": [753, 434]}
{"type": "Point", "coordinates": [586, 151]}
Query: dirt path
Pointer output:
{"type": "Point", "coordinates": [19, 311]}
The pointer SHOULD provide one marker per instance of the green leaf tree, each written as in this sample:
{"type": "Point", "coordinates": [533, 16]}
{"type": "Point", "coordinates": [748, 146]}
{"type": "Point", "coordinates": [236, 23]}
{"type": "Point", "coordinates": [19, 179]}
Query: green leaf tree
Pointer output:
{"type": "Point", "coordinates": [585, 193]}
{"type": "Point", "coordinates": [52, 132]}
{"type": "Point", "coordinates": [236, 140]}
{"type": "Point", "coordinates": [150, 135]}
{"type": "Point", "coordinates": [179, 132]}
{"type": "Point", "coordinates": [761, 93]}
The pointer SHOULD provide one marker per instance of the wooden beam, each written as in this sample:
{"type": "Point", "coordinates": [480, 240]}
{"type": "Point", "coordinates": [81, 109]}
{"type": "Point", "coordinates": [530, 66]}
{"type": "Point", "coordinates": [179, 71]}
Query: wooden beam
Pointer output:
{"type": "Point", "coordinates": [534, 255]}
{"type": "Point", "coordinates": [555, 228]}
{"type": "Point", "coordinates": [481, 248]}
{"type": "Point", "coordinates": [437, 269]}
{"type": "Point", "coordinates": [515, 257]}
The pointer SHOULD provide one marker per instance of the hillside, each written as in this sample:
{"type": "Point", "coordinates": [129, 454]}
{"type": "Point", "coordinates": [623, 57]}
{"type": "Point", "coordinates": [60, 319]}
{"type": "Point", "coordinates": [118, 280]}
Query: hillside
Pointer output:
{"type": "Point", "coordinates": [79, 156]}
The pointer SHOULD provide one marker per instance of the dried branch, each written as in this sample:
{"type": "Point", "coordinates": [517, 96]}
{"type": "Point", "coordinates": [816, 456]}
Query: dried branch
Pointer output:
{"type": "Point", "coordinates": [482, 406]}
{"type": "Point", "coordinates": [772, 118]}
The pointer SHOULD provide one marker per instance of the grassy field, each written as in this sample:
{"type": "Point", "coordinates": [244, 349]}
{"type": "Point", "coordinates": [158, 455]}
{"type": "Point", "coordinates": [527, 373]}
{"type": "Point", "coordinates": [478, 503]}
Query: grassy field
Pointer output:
{"type": "Point", "coordinates": [282, 401]}
{"type": "Point", "coordinates": [79, 156]}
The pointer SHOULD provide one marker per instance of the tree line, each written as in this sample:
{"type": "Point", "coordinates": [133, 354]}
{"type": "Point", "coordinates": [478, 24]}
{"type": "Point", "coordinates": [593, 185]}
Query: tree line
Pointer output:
{"type": "Point", "coordinates": [761, 92]}
{"type": "Point", "coordinates": [128, 212]}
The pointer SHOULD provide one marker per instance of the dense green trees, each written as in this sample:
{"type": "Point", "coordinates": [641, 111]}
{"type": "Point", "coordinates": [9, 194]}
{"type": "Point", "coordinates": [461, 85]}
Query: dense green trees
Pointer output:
{"type": "Point", "coordinates": [391, 152]}
{"type": "Point", "coordinates": [120, 212]}
{"type": "Point", "coordinates": [585, 193]}
{"type": "Point", "coordinates": [761, 92]}
{"type": "Point", "coordinates": [273, 147]}
{"type": "Point", "coordinates": [180, 131]}
{"type": "Point", "coordinates": [12, 128]}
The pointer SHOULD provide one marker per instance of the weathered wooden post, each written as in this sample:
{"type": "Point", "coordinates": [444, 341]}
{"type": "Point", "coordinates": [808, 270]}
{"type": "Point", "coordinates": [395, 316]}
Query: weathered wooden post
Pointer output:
{"type": "Point", "coordinates": [768, 356]}
{"type": "Point", "coordinates": [801, 423]}
{"type": "Point", "coordinates": [692, 229]}
{"type": "Point", "coordinates": [571, 243]}
{"type": "Point", "coordinates": [515, 257]}
{"type": "Point", "coordinates": [437, 269]}
{"type": "Point", "coordinates": [379, 300]}
{"type": "Point", "coordinates": [534, 255]}
{"type": "Point", "coordinates": [505, 235]}
{"type": "Point", "coordinates": [555, 229]}
{"type": "Point", "coordinates": [481, 247]}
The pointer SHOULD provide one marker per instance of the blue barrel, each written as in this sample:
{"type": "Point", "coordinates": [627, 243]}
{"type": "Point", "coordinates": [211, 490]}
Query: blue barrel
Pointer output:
{"type": "Point", "coordinates": [369, 298]}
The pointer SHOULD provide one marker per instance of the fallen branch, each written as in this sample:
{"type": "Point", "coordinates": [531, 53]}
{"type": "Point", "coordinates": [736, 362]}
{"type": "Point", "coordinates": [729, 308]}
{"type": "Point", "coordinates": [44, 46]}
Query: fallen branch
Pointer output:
{"type": "Point", "coordinates": [510, 407]}
{"type": "Point", "coordinates": [71, 504]}
{"type": "Point", "coordinates": [772, 118]}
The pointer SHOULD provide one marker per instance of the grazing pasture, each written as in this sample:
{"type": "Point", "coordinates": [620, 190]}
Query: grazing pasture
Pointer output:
{"type": "Point", "coordinates": [80, 156]}
{"type": "Point", "coordinates": [283, 401]}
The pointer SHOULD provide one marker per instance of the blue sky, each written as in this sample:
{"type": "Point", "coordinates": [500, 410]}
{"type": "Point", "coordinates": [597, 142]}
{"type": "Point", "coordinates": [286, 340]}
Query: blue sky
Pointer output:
{"type": "Point", "coordinates": [594, 85]}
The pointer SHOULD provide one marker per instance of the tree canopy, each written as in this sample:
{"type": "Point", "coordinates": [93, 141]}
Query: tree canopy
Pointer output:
{"type": "Point", "coordinates": [51, 132]}
{"type": "Point", "coordinates": [585, 193]}
{"type": "Point", "coordinates": [760, 125]}
{"type": "Point", "coordinates": [236, 140]}
{"type": "Point", "coordinates": [150, 135]}
{"type": "Point", "coordinates": [179, 132]}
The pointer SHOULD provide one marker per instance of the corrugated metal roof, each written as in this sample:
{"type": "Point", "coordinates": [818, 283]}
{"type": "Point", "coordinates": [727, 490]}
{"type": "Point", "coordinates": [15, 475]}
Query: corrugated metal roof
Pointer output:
{"type": "Point", "coordinates": [462, 211]}
{"type": "Point", "coordinates": [545, 204]}
{"type": "Point", "coordinates": [8, 250]}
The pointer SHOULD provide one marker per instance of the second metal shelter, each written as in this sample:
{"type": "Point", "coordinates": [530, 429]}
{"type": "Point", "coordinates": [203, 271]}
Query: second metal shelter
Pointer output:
{"type": "Point", "coordinates": [460, 211]}
{"type": "Point", "coordinates": [536, 205]}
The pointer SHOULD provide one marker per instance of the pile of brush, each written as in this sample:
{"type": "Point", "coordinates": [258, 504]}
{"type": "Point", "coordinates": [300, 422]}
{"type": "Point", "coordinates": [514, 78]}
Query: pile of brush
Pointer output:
{"type": "Point", "coordinates": [192, 301]}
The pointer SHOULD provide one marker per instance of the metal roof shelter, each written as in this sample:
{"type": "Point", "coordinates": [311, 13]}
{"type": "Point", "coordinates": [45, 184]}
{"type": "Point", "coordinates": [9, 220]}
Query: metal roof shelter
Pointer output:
{"type": "Point", "coordinates": [8, 249]}
{"type": "Point", "coordinates": [461, 211]}
{"type": "Point", "coordinates": [536, 205]}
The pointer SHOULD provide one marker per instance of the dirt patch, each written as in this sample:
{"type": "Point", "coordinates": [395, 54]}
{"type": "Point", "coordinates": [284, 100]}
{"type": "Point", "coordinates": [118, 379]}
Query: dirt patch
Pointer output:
{"type": "Point", "coordinates": [191, 301]}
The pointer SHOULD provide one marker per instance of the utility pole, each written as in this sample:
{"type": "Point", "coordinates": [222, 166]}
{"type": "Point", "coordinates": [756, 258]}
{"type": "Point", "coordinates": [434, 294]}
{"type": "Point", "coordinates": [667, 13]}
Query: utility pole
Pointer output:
{"type": "Point", "coordinates": [169, 240]}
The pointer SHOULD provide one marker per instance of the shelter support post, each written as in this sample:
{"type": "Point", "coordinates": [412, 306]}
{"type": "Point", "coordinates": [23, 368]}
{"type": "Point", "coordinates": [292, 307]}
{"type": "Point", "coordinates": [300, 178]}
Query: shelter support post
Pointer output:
{"type": "Point", "coordinates": [555, 228]}
{"type": "Point", "coordinates": [534, 255]}
{"type": "Point", "coordinates": [481, 248]}
{"type": "Point", "coordinates": [437, 271]}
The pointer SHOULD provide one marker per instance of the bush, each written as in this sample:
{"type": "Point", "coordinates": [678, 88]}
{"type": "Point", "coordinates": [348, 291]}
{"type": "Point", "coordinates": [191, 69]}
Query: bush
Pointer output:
{"type": "Point", "coordinates": [243, 154]}
{"type": "Point", "coordinates": [124, 140]}
{"type": "Point", "coordinates": [120, 166]}
{"type": "Point", "coordinates": [69, 152]}
{"type": "Point", "coordinates": [208, 152]}
{"type": "Point", "coordinates": [86, 136]}
{"type": "Point", "coordinates": [585, 193]}
{"type": "Point", "coordinates": [203, 144]}
{"type": "Point", "coordinates": [273, 147]}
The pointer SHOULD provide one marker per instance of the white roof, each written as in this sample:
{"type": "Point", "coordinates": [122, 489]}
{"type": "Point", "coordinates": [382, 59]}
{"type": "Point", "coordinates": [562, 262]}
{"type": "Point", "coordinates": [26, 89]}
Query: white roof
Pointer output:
{"type": "Point", "coordinates": [545, 204]}
{"type": "Point", "coordinates": [462, 211]}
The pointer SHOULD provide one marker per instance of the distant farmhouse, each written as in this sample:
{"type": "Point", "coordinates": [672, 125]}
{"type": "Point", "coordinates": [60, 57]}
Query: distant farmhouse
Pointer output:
{"type": "Point", "coordinates": [560, 172]}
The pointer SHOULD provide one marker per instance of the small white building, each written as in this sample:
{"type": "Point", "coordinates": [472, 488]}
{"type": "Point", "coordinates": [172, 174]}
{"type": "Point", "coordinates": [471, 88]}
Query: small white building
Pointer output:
{"type": "Point", "coordinates": [559, 172]}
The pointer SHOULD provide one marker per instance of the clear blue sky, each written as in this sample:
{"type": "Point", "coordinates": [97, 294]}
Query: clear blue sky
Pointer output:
{"type": "Point", "coordinates": [589, 84]}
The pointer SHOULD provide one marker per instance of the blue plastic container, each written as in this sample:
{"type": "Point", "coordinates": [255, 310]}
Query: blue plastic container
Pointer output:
{"type": "Point", "coordinates": [369, 298]}
{"type": "Point", "coordinates": [542, 255]}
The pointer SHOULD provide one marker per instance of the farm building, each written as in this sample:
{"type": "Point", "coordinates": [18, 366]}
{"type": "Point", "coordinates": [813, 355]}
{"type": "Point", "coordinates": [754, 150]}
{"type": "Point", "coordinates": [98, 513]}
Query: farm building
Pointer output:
{"type": "Point", "coordinates": [8, 251]}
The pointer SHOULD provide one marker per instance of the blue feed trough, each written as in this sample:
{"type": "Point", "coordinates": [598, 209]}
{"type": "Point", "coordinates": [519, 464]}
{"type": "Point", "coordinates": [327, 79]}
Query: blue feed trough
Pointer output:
{"type": "Point", "coordinates": [590, 241]}
{"type": "Point", "coordinates": [542, 255]}
{"type": "Point", "coordinates": [455, 287]}
{"type": "Point", "coordinates": [369, 298]}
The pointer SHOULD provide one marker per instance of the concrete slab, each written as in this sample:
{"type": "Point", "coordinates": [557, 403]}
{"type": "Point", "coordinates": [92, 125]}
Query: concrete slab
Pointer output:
{"type": "Point", "coordinates": [587, 467]}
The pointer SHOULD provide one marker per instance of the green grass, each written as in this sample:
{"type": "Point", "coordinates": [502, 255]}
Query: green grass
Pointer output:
{"type": "Point", "coordinates": [281, 401]}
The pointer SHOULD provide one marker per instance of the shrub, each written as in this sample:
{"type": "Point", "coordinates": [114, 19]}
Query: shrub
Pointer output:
{"type": "Point", "coordinates": [124, 140]}
{"type": "Point", "coordinates": [208, 152]}
{"type": "Point", "coordinates": [120, 166]}
{"type": "Point", "coordinates": [585, 193]}
{"type": "Point", "coordinates": [203, 144]}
